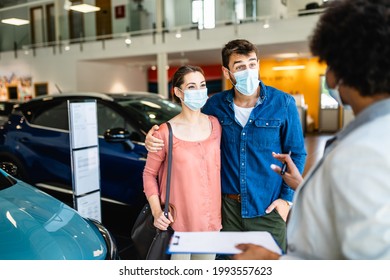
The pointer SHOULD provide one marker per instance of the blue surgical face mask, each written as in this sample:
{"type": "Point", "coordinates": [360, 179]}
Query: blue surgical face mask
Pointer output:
{"type": "Point", "coordinates": [247, 81]}
{"type": "Point", "coordinates": [195, 98]}
{"type": "Point", "coordinates": [335, 94]}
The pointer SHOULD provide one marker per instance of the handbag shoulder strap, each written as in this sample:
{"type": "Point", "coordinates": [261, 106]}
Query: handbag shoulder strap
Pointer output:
{"type": "Point", "coordinates": [166, 207]}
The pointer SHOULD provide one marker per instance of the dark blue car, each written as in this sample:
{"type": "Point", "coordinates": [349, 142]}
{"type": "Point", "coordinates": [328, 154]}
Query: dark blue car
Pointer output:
{"type": "Point", "coordinates": [36, 139]}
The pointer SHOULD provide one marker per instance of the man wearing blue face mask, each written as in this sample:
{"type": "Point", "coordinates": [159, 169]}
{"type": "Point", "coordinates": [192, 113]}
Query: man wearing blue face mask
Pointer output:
{"type": "Point", "coordinates": [256, 120]}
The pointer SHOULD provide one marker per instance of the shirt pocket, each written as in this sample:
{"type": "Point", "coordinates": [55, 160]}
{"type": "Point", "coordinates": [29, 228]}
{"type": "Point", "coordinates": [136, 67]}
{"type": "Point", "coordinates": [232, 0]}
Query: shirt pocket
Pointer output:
{"type": "Point", "coordinates": [266, 133]}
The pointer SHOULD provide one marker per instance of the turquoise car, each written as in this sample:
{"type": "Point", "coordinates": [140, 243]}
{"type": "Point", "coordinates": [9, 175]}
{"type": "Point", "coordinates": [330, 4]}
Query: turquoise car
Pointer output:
{"type": "Point", "coordinates": [36, 226]}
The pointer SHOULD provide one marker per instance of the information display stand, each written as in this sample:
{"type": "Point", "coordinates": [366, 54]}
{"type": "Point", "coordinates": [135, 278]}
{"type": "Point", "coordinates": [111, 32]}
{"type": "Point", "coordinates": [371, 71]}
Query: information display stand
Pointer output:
{"type": "Point", "coordinates": [84, 151]}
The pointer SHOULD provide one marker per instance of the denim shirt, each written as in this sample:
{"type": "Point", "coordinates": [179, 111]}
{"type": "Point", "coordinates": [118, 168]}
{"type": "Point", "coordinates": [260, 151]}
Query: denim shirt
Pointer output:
{"type": "Point", "coordinates": [246, 152]}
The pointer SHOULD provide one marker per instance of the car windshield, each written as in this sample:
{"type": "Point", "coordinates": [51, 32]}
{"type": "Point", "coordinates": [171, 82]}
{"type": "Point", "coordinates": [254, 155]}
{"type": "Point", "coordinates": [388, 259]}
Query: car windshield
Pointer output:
{"type": "Point", "coordinates": [153, 110]}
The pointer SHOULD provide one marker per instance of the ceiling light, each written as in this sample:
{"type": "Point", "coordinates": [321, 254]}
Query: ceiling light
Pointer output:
{"type": "Point", "coordinates": [84, 8]}
{"type": "Point", "coordinates": [287, 55]}
{"type": "Point", "coordinates": [15, 21]}
{"type": "Point", "coordinates": [290, 67]}
{"type": "Point", "coordinates": [67, 5]}
{"type": "Point", "coordinates": [26, 52]}
{"type": "Point", "coordinates": [178, 34]}
{"type": "Point", "coordinates": [128, 41]}
{"type": "Point", "coordinates": [266, 24]}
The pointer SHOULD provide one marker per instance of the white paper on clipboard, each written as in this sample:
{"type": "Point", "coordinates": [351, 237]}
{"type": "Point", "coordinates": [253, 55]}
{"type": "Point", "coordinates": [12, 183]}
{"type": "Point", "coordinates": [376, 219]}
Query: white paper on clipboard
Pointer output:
{"type": "Point", "coordinates": [223, 242]}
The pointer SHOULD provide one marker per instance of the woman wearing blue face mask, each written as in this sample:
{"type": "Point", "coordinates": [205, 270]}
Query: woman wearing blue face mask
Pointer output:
{"type": "Point", "coordinates": [195, 193]}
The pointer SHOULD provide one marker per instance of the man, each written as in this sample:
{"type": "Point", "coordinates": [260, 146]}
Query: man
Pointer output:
{"type": "Point", "coordinates": [256, 119]}
{"type": "Point", "coordinates": [342, 209]}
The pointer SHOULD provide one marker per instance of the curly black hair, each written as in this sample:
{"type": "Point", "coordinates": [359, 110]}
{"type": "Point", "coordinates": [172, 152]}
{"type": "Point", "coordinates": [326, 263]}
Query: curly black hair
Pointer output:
{"type": "Point", "coordinates": [353, 38]}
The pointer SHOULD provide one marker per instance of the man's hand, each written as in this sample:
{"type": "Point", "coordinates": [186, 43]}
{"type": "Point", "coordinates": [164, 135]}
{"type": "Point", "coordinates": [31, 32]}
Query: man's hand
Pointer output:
{"type": "Point", "coordinates": [153, 144]}
{"type": "Point", "coordinates": [254, 252]}
{"type": "Point", "coordinates": [281, 206]}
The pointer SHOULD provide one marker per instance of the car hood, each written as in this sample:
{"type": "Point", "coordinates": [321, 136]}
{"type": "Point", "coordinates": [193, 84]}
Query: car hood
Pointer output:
{"type": "Point", "coordinates": [34, 225]}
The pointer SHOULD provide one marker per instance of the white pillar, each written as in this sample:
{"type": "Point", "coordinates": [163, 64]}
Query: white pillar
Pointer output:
{"type": "Point", "coordinates": [162, 74]}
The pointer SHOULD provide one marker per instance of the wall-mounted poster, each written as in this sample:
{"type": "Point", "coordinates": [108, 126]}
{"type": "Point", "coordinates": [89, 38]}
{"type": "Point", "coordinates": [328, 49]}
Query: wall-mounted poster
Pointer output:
{"type": "Point", "coordinates": [40, 89]}
{"type": "Point", "coordinates": [15, 87]}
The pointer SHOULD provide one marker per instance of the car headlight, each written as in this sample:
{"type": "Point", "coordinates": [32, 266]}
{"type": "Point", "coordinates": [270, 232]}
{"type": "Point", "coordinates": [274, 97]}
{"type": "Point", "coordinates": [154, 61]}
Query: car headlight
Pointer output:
{"type": "Point", "coordinates": [112, 249]}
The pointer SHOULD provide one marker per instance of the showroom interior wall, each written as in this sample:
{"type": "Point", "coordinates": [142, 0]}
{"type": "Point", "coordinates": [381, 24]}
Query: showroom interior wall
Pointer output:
{"type": "Point", "coordinates": [83, 66]}
{"type": "Point", "coordinates": [62, 68]}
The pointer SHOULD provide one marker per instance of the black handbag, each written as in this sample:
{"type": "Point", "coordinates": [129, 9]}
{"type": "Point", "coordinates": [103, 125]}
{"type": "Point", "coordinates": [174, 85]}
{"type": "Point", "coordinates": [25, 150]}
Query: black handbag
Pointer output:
{"type": "Point", "coordinates": [143, 231]}
{"type": "Point", "coordinates": [150, 242]}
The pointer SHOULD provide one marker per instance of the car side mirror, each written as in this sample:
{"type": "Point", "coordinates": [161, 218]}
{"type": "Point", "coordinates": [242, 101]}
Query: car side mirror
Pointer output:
{"type": "Point", "coordinates": [118, 135]}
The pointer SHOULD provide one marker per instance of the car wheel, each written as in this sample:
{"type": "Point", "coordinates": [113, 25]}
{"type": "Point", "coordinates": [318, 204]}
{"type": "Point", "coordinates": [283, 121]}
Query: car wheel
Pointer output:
{"type": "Point", "coordinates": [20, 170]}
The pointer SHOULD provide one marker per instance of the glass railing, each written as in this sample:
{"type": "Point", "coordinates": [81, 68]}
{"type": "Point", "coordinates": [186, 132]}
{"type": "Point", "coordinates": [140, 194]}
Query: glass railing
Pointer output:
{"type": "Point", "coordinates": [52, 25]}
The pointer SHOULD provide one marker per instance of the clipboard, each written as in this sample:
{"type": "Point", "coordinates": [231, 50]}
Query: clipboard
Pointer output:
{"type": "Point", "coordinates": [223, 242]}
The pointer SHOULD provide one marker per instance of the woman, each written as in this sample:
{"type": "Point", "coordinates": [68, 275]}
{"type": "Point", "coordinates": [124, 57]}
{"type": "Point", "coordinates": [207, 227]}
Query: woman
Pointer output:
{"type": "Point", "coordinates": [195, 193]}
{"type": "Point", "coordinates": [342, 209]}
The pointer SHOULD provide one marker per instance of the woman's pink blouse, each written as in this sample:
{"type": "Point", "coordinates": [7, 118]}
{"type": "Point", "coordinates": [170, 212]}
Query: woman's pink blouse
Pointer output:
{"type": "Point", "coordinates": [195, 179]}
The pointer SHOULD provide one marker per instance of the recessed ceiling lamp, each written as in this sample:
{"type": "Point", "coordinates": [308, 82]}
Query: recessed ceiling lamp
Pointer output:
{"type": "Point", "coordinates": [128, 41]}
{"type": "Point", "coordinates": [84, 8]}
{"type": "Point", "coordinates": [287, 55]}
{"type": "Point", "coordinates": [266, 24]}
{"type": "Point", "coordinates": [15, 21]}
{"type": "Point", "coordinates": [289, 67]}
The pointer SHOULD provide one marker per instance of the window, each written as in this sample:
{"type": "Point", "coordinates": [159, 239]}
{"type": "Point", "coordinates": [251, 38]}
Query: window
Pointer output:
{"type": "Point", "coordinates": [108, 118]}
{"type": "Point", "coordinates": [203, 13]}
{"type": "Point", "coordinates": [54, 115]}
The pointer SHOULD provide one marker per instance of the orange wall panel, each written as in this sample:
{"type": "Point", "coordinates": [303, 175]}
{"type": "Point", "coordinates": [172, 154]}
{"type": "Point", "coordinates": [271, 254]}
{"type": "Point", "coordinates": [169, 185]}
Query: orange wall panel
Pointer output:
{"type": "Point", "coordinates": [304, 81]}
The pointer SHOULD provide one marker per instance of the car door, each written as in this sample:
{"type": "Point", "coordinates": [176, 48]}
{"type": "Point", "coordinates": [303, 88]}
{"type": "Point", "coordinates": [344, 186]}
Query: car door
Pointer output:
{"type": "Point", "coordinates": [44, 143]}
{"type": "Point", "coordinates": [121, 164]}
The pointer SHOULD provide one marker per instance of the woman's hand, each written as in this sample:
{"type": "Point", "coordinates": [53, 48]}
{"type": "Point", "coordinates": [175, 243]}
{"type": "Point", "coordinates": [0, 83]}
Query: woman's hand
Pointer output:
{"type": "Point", "coordinates": [153, 144]}
{"type": "Point", "coordinates": [292, 176]}
{"type": "Point", "coordinates": [161, 222]}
